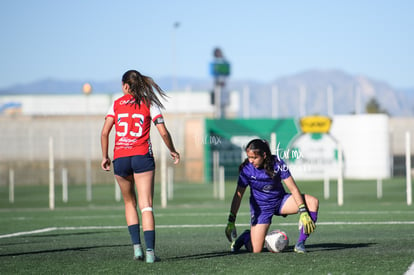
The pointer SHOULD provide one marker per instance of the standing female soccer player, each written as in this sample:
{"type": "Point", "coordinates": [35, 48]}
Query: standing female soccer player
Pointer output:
{"type": "Point", "coordinates": [264, 173]}
{"type": "Point", "coordinates": [133, 159]}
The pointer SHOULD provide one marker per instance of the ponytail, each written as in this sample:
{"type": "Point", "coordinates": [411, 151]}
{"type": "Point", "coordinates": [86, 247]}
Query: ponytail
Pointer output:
{"type": "Point", "coordinates": [142, 88]}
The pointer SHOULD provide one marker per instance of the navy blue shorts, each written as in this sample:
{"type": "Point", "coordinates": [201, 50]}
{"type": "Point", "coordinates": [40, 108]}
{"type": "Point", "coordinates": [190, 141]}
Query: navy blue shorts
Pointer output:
{"type": "Point", "coordinates": [127, 166]}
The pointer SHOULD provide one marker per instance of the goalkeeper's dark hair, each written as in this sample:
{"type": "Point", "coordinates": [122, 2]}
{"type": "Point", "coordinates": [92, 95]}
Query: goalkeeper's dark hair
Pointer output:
{"type": "Point", "coordinates": [261, 147]}
{"type": "Point", "coordinates": [142, 88]}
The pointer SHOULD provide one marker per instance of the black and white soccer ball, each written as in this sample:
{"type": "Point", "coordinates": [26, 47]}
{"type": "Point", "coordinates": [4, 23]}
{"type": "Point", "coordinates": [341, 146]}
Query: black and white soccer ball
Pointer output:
{"type": "Point", "coordinates": [276, 241]}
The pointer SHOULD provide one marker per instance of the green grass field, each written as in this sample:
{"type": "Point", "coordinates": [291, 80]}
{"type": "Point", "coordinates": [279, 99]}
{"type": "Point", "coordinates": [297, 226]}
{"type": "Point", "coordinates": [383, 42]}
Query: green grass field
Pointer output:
{"type": "Point", "coordinates": [366, 235]}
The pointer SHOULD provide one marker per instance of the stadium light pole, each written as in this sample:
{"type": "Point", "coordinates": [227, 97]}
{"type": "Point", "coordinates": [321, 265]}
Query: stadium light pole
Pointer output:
{"type": "Point", "coordinates": [220, 70]}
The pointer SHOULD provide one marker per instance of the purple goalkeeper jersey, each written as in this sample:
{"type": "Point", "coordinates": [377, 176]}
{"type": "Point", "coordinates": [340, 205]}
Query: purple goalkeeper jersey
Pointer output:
{"type": "Point", "coordinates": [265, 193]}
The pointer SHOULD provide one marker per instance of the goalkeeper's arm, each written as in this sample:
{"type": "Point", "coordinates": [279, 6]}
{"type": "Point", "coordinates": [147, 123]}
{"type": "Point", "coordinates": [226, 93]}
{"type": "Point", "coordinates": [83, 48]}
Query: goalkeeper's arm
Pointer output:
{"type": "Point", "coordinates": [231, 232]}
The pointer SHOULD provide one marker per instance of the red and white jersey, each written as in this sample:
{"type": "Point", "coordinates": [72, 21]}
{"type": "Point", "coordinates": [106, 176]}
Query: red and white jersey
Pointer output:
{"type": "Point", "coordinates": [132, 126]}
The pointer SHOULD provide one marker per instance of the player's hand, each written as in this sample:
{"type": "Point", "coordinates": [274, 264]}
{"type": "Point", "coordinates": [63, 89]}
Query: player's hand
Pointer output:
{"type": "Point", "coordinates": [305, 220]}
{"type": "Point", "coordinates": [231, 232]}
{"type": "Point", "coordinates": [176, 157]}
{"type": "Point", "coordinates": [106, 164]}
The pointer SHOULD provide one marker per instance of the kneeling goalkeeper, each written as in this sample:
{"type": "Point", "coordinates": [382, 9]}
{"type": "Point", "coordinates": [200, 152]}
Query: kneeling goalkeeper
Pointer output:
{"type": "Point", "coordinates": [264, 173]}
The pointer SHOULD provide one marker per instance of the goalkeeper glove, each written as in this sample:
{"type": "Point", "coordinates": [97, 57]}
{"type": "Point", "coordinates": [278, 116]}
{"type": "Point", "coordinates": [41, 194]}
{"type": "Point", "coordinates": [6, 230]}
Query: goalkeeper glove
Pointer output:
{"type": "Point", "coordinates": [305, 220]}
{"type": "Point", "coordinates": [231, 232]}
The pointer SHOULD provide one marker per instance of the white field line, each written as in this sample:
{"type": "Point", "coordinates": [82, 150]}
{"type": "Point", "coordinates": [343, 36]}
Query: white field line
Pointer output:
{"type": "Point", "coordinates": [410, 270]}
{"type": "Point", "coordinates": [214, 215]}
{"type": "Point", "coordinates": [49, 229]}
{"type": "Point", "coordinates": [28, 232]}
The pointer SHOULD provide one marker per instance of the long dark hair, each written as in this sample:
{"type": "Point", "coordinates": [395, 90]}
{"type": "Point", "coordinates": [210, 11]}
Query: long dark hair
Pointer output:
{"type": "Point", "coordinates": [142, 88]}
{"type": "Point", "coordinates": [261, 147]}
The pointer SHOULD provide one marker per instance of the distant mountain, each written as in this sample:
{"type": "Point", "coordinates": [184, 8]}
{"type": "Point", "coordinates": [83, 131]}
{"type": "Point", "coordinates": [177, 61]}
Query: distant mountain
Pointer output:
{"type": "Point", "coordinates": [56, 87]}
{"type": "Point", "coordinates": [349, 93]}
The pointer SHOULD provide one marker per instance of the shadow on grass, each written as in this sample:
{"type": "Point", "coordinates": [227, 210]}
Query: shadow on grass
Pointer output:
{"type": "Point", "coordinates": [310, 248]}
{"type": "Point", "coordinates": [206, 255]}
{"type": "Point", "coordinates": [85, 248]}
{"type": "Point", "coordinates": [331, 246]}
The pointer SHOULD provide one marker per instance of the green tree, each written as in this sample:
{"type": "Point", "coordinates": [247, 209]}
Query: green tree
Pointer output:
{"type": "Point", "coordinates": [373, 107]}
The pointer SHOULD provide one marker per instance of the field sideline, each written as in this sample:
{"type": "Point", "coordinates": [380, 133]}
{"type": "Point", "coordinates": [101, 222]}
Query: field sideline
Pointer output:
{"type": "Point", "coordinates": [364, 236]}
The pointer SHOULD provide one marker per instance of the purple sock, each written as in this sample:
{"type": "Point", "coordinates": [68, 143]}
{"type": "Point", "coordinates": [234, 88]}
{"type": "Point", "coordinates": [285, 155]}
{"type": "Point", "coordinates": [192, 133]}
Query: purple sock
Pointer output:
{"type": "Point", "coordinates": [302, 235]}
{"type": "Point", "coordinates": [314, 216]}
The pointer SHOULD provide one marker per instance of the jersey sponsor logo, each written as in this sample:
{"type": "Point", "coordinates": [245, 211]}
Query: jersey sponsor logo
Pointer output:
{"type": "Point", "coordinates": [127, 142]}
{"type": "Point", "coordinates": [127, 101]}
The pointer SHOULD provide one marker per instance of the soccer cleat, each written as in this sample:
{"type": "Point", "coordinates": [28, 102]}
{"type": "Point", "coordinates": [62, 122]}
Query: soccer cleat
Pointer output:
{"type": "Point", "coordinates": [240, 241]}
{"type": "Point", "coordinates": [150, 257]}
{"type": "Point", "coordinates": [232, 249]}
{"type": "Point", "coordinates": [300, 248]}
{"type": "Point", "coordinates": [138, 253]}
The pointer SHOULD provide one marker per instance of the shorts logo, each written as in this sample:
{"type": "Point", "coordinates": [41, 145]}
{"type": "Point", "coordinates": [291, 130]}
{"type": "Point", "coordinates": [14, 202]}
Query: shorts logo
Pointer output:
{"type": "Point", "coordinates": [253, 219]}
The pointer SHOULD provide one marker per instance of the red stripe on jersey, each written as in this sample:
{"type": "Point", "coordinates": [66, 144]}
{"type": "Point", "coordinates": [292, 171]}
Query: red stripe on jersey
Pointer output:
{"type": "Point", "coordinates": [155, 118]}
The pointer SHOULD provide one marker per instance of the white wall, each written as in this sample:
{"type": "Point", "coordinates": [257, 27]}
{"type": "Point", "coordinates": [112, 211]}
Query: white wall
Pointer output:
{"type": "Point", "coordinates": [60, 104]}
{"type": "Point", "coordinates": [365, 140]}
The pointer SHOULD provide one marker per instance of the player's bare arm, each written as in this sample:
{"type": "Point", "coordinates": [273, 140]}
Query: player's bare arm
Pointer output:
{"type": "Point", "coordinates": [106, 129]}
{"type": "Point", "coordinates": [166, 137]}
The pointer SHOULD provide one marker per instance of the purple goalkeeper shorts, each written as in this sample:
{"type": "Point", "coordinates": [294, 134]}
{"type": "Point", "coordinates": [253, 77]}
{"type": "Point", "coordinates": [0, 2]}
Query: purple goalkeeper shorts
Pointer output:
{"type": "Point", "coordinates": [261, 216]}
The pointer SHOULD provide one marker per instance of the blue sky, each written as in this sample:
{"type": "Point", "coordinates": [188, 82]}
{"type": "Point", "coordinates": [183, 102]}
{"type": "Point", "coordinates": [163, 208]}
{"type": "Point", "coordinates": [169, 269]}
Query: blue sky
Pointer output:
{"type": "Point", "coordinates": [92, 40]}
